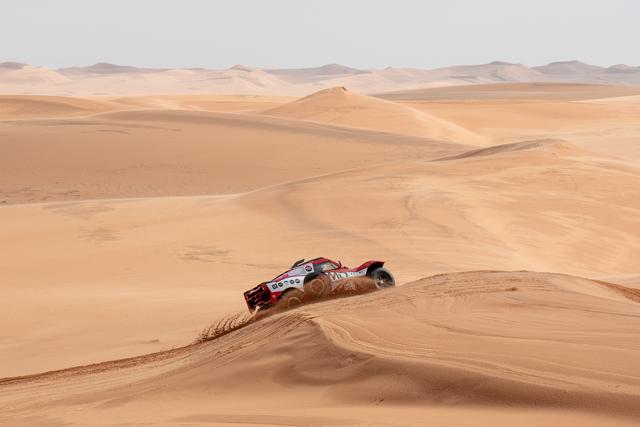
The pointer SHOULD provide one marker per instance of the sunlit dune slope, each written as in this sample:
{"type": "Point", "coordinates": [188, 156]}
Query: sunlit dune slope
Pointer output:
{"type": "Point", "coordinates": [533, 345]}
{"type": "Point", "coordinates": [25, 107]}
{"type": "Point", "coordinates": [18, 107]}
{"type": "Point", "coordinates": [163, 266]}
{"type": "Point", "coordinates": [513, 92]}
{"type": "Point", "coordinates": [343, 107]}
{"type": "Point", "coordinates": [142, 153]}
{"type": "Point", "coordinates": [206, 102]}
{"type": "Point", "coordinates": [603, 119]}
{"type": "Point", "coordinates": [541, 205]}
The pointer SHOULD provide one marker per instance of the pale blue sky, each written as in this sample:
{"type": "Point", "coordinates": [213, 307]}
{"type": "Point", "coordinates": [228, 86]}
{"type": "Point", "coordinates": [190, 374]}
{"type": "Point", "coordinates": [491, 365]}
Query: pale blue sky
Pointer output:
{"type": "Point", "coordinates": [296, 33]}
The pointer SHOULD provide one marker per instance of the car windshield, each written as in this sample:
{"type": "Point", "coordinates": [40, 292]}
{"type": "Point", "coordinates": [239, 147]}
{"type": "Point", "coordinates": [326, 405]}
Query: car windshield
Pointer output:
{"type": "Point", "coordinates": [298, 268]}
{"type": "Point", "coordinates": [325, 266]}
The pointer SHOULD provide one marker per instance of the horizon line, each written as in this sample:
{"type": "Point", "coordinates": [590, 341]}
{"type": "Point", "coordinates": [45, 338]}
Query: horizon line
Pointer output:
{"type": "Point", "coordinates": [330, 64]}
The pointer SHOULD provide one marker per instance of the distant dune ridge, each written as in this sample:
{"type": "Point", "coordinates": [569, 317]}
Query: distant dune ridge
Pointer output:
{"type": "Point", "coordinates": [110, 79]}
{"type": "Point", "coordinates": [340, 106]}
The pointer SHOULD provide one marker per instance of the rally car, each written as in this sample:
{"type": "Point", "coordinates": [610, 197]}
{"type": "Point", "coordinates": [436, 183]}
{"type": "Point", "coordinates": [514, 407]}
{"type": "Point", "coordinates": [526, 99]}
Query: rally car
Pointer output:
{"type": "Point", "coordinates": [316, 277]}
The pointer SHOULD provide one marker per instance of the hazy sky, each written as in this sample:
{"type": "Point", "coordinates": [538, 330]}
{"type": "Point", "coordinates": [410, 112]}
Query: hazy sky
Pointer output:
{"type": "Point", "coordinates": [297, 33]}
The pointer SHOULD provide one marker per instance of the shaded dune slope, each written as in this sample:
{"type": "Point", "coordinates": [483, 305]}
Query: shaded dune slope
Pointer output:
{"type": "Point", "coordinates": [545, 145]}
{"type": "Point", "coordinates": [516, 339]}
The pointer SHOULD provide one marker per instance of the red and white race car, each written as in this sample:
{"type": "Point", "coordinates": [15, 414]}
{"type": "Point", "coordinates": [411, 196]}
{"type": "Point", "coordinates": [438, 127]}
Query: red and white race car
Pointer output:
{"type": "Point", "coordinates": [312, 277]}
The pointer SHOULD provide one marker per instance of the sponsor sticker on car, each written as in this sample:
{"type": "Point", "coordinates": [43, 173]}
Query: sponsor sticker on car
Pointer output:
{"type": "Point", "coordinates": [335, 275]}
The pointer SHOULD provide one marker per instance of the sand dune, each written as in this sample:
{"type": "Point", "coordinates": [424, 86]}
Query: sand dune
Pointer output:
{"type": "Point", "coordinates": [218, 103]}
{"type": "Point", "coordinates": [305, 75]}
{"type": "Point", "coordinates": [494, 71]}
{"type": "Point", "coordinates": [412, 352]}
{"type": "Point", "coordinates": [569, 67]}
{"type": "Point", "coordinates": [26, 107]}
{"type": "Point", "coordinates": [585, 115]}
{"type": "Point", "coordinates": [129, 223]}
{"type": "Point", "coordinates": [18, 76]}
{"type": "Point", "coordinates": [506, 209]}
{"type": "Point", "coordinates": [170, 152]}
{"type": "Point", "coordinates": [40, 106]}
{"type": "Point", "coordinates": [340, 106]}
{"type": "Point", "coordinates": [568, 70]}
{"type": "Point", "coordinates": [544, 206]}
{"type": "Point", "coordinates": [513, 91]}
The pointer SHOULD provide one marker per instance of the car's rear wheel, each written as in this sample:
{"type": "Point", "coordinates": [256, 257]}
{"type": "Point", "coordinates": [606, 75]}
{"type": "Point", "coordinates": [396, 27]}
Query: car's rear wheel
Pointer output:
{"type": "Point", "coordinates": [291, 299]}
{"type": "Point", "coordinates": [382, 278]}
{"type": "Point", "coordinates": [317, 287]}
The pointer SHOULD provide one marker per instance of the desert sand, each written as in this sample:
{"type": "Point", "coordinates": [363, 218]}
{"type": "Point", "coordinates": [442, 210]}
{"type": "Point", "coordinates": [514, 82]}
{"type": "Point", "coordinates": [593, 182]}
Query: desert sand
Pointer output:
{"type": "Point", "coordinates": [507, 212]}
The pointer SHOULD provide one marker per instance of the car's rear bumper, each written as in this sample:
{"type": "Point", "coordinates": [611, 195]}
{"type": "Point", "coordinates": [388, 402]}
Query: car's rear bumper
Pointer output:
{"type": "Point", "coordinates": [258, 297]}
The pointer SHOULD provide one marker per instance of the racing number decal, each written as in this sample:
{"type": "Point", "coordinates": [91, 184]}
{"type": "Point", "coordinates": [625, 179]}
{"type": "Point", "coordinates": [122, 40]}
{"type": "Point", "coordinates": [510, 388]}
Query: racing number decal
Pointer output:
{"type": "Point", "coordinates": [346, 274]}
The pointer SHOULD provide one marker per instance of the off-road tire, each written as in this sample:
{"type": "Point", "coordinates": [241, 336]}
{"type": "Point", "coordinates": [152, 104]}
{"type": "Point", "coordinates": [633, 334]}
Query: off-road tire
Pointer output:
{"type": "Point", "coordinates": [291, 299]}
{"type": "Point", "coordinates": [318, 286]}
{"type": "Point", "coordinates": [382, 278]}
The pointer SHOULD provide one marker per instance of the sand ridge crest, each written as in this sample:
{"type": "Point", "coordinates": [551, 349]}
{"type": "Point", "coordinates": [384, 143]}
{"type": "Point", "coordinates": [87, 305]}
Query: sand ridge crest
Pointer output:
{"type": "Point", "coordinates": [550, 146]}
{"type": "Point", "coordinates": [455, 350]}
{"type": "Point", "coordinates": [341, 106]}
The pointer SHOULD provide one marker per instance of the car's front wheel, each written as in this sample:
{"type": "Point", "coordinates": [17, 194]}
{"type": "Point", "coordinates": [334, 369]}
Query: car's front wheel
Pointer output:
{"type": "Point", "coordinates": [382, 278]}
